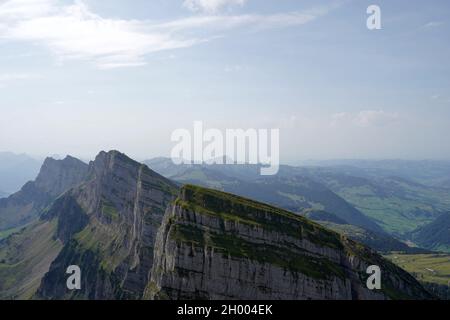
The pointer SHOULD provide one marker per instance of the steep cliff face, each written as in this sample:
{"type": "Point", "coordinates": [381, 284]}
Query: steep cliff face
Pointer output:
{"type": "Point", "coordinates": [108, 226]}
{"type": "Point", "coordinates": [214, 245]}
{"type": "Point", "coordinates": [55, 177]}
{"type": "Point", "coordinates": [58, 176]}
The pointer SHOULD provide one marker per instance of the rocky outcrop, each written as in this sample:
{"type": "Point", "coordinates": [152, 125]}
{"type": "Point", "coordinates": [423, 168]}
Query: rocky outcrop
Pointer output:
{"type": "Point", "coordinates": [213, 245]}
{"type": "Point", "coordinates": [116, 213]}
{"type": "Point", "coordinates": [58, 176]}
{"type": "Point", "coordinates": [55, 178]}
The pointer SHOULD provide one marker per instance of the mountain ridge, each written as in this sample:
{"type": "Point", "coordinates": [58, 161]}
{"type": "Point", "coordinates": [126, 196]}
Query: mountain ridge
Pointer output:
{"type": "Point", "coordinates": [291, 192]}
{"type": "Point", "coordinates": [112, 225]}
{"type": "Point", "coordinates": [54, 178]}
{"type": "Point", "coordinates": [210, 237]}
{"type": "Point", "coordinates": [118, 210]}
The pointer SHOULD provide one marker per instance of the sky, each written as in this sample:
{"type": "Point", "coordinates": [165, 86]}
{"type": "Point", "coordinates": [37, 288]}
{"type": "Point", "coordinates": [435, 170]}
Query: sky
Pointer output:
{"type": "Point", "coordinates": [77, 77]}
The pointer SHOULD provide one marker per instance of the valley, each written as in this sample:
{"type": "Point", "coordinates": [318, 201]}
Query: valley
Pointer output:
{"type": "Point", "coordinates": [433, 270]}
{"type": "Point", "coordinates": [390, 206]}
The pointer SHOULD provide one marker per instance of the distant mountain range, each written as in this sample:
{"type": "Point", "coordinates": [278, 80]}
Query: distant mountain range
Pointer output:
{"type": "Point", "coordinates": [397, 204]}
{"type": "Point", "coordinates": [137, 235]}
{"type": "Point", "coordinates": [433, 173]}
{"type": "Point", "coordinates": [15, 171]}
{"type": "Point", "coordinates": [289, 191]}
{"type": "Point", "coordinates": [377, 203]}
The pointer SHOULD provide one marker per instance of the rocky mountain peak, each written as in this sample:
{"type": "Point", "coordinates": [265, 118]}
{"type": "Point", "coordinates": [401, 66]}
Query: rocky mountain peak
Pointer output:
{"type": "Point", "coordinates": [57, 176]}
{"type": "Point", "coordinates": [107, 162]}
{"type": "Point", "coordinates": [108, 225]}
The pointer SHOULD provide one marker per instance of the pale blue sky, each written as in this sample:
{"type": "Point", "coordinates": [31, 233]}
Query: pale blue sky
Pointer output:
{"type": "Point", "coordinates": [81, 76]}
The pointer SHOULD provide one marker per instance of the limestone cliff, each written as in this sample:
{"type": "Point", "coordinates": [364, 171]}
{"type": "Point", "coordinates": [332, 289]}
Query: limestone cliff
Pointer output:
{"type": "Point", "coordinates": [214, 245]}
{"type": "Point", "coordinates": [108, 226]}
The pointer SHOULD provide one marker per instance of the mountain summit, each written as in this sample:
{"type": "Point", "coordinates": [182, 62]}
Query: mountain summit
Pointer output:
{"type": "Point", "coordinates": [54, 178]}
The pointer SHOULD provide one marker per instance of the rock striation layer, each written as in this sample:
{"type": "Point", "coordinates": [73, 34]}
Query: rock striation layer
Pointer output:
{"type": "Point", "coordinates": [214, 245]}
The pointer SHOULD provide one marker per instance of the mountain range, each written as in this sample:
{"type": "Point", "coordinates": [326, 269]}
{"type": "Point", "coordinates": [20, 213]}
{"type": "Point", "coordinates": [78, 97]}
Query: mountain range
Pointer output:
{"type": "Point", "coordinates": [15, 171]}
{"type": "Point", "coordinates": [138, 235]}
{"type": "Point", "coordinates": [432, 173]}
{"type": "Point", "coordinates": [387, 208]}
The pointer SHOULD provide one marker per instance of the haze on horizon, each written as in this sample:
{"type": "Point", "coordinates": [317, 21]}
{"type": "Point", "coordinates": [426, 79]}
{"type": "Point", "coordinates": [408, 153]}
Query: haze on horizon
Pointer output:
{"type": "Point", "coordinates": [77, 77]}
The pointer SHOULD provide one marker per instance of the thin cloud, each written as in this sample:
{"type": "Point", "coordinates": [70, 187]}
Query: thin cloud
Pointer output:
{"type": "Point", "coordinates": [433, 24]}
{"type": "Point", "coordinates": [75, 32]}
{"type": "Point", "coordinates": [375, 118]}
{"type": "Point", "coordinates": [365, 118]}
{"type": "Point", "coordinates": [211, 6]}
{"type": "Point", "coordinates": [439, 98]}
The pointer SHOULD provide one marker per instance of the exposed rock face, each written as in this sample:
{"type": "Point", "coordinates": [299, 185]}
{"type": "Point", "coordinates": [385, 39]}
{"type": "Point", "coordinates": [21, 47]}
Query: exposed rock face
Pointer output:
{"type": "Point", "coordinates": [58, 176]}
{"type": "Point", "coordinates": [55, 177]}
{"type": "Point", "coordinates": [213, 245]}
{"type": "Point", "coordinates": [109, 226]}
{"type": "Point", "coordinates": [124, 226]}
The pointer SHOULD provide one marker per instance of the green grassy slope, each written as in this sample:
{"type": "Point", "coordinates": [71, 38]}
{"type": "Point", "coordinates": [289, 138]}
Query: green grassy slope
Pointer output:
{"type": "Point", "coordinates": [398, 205]}
{"type": "Point", "coordinates": [435, 235]}
{"type": "Point", "coordinates": [293, 193]}
{"type": "Point", "coordinates": [6, 233]}
{"type": "Point", "coordinates": [24, 259]}
{"type": "Point", "coordinates": [379, 242]}
{"type": "Point", "coordinates": [232, 207]}
{"type": "Point", "coordinates": [434, 268]}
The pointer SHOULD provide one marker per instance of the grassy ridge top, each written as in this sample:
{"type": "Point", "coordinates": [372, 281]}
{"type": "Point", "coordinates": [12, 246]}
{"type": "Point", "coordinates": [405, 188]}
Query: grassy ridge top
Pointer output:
{"type": "Point", "coordinates": [239, 209]}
